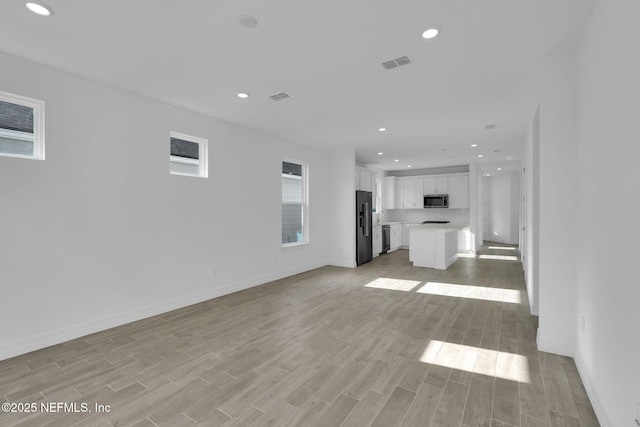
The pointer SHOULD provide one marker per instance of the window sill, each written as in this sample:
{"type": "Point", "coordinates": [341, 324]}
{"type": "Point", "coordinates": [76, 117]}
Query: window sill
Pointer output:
{"type": "Point", "coordinates": [291, 245]}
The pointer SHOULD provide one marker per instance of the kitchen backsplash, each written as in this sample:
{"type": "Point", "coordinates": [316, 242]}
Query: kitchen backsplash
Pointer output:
{"type": "Point", "coordinates": [418, 215]}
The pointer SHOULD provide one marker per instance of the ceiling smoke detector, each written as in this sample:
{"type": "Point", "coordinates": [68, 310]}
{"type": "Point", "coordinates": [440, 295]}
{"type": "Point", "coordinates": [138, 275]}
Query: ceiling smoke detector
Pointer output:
{"type": "Point", "coordinates": [395, 63]}
{"type": "Point", "coordinates": [280, 96]}
{"type": "Point", "coordinates": [248, 21]}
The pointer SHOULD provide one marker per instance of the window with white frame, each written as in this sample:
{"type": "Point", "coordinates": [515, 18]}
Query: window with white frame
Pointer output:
{"type": "Point", "coordinates": [21, 127]}
{"type": "Point", "coordinates": [294, 203]}
{"type": "Point", "coordinates": [188, 155]}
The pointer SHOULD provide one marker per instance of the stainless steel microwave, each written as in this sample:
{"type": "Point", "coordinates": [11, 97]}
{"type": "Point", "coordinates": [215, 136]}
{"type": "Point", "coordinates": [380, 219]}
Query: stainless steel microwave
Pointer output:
{"type": "Point", "coordinates": [436, 201]}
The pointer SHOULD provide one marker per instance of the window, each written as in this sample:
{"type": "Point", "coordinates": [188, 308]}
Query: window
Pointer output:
{"type": "Point", "coordinates": [294, 203]}
{"type": "Point", "coordinates": [21, 127]}
{"type": "Point", "coordinates": [188, 155]}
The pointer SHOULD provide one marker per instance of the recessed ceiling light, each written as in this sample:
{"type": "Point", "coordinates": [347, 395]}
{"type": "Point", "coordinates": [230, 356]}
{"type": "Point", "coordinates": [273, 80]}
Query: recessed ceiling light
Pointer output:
{"type": "Point", "coordinates": [408, 166]}
{"type": "Point", "coordinates": [243, 95]}
{"type": "Point", "coordinates": [499, 169]}
{"type": "Point", "coordinates": [488, 174]}
{"type": "Point", "coordinates": [474, 145]}
{"type": "Point", "coordinates": [396, 160]}
{"type": "Point", "coordinates": [40, 9]}
{"type": "Point", "coordinates": [248, 21]}
{"type": "Point", "coordinates": [430, 33]}
{"type": "Point", "coordinates": [380, 153]}
{"type": "Point", "coordinates": [480, 155]}
{"type": "Point", "coordinates": [382, 129]}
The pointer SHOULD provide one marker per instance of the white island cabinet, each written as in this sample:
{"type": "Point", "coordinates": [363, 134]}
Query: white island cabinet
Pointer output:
{"type": "Point", "coordinates": [434, 245]}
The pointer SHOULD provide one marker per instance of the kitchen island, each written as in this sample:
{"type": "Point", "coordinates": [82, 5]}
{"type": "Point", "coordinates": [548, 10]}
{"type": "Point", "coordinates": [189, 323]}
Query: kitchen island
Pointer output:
{"type": "Point", "coordinates": [435, 245]}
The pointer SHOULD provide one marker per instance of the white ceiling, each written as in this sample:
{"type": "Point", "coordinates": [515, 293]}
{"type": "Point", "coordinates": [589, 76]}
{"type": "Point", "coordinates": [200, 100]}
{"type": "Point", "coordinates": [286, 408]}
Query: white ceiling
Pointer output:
{"type": "Point", "coordinates": [327, 55]}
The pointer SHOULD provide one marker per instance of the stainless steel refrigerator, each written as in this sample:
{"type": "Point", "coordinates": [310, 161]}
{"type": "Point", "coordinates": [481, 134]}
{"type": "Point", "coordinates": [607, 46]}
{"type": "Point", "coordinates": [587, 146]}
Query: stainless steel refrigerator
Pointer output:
{"type": "Point", "coordinates": [364, 248]}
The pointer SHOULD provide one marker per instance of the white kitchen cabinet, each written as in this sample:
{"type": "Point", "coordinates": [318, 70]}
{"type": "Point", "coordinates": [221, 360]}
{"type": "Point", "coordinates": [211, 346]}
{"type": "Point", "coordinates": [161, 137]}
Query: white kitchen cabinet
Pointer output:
{"type": "Point", "coordinates": [399, 194]}
{"type": "Point", "coordinates": [389, 192]}
{"type": "Point", "coordinates": [433, 247]}
{"type": "Point", "coordinates": [459, 192]}
{"type": "Point", "coordinates": [406, 231]}
{"type": "Point", "coordinates": [409, 193]}
{"type": "Point", "coordinates": [464, 240]}
{"type": "Point", "coordinates": [377, 240]}
{"type": "Point", "coordinates": [364, 180]}
{"type": "Point", "coordinates": [436, 185]}
{"type": "Point", "coordinates": [395, 230]}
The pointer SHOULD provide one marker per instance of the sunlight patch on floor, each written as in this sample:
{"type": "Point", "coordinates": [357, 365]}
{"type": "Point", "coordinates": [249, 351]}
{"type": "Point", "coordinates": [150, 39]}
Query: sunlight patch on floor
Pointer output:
{"type": "Point", "coordinates": [492, 363]}
{"type": "Point", "coordinates": [393, 284]}
{"type": "Point", "coordinates": [473, 292]}
{"type": "Point", "coordinates": [499, 257]}
{"type": "Point", "coordinates": [502, 248]}
{"type": "Point", "coordinates": [466, 255]}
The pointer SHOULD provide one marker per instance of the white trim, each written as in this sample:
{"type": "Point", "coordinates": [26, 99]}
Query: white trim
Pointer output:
{"type": "Point", "coordinates": [15, 134]}
{"type": "Point", "coordinates": [38, 123]}
{"type": "Point", "coordinates": [185, 160]}
{"type": "Point", "coordinates": [345, 262]}
{"type": "Point", "coordinates": [289, 245]}
{"type": "Point", "coordinates": [203, 155]}
{"type": "Point", "coordinates": [554, 347]}
{"type": "Point", "coordinates": [304, 203]}
{"type": "Point", "coordinates": [60, 335]}
{"type": "Point", "coordinates": [596, 402]}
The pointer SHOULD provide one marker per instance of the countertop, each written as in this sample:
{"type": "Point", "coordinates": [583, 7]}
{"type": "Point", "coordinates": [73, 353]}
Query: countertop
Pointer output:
{"type": "Point", "coordinates": [451, 225]}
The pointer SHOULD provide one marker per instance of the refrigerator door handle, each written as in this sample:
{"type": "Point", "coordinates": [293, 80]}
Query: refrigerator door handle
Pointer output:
{"type": "Point", "coordinates": [367, 225]}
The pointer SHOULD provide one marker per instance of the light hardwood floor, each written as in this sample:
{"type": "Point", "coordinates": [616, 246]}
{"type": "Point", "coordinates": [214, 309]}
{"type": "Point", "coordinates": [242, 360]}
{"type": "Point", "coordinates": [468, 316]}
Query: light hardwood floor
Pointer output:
{"type": "Point", "coordinates": [386, 344]}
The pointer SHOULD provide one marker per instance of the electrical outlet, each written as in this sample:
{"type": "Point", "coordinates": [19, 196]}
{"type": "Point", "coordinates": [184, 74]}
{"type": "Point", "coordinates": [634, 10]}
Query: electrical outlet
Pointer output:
{"type": "Point", "coordinates": [215, 271]}
{"type": "Point", "coordinates": [583, 324]}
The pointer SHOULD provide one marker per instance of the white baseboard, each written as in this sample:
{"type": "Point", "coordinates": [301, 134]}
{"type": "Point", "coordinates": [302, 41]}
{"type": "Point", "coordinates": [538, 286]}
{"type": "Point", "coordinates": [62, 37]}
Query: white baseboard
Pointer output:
{"type": "Point", "coordinates": [535, 310]}
{"type": "Point", "coordinates": [57, 336]}
{"type": "Point", "coordinates": [554, 347]}
{"type": "Point", "coordinates": [585, 376]}
{"type": "Point", "coordinates": [343, 262]}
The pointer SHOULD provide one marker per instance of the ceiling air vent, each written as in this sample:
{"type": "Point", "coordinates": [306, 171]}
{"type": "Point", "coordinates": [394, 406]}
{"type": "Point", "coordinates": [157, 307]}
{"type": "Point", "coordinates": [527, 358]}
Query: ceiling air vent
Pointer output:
{"type": "Point", "coordinates": [490, 127]}
{"type": "Point", "coordinates": [280, 96]}
{"type": "Point", "coordinates": [398, 62]}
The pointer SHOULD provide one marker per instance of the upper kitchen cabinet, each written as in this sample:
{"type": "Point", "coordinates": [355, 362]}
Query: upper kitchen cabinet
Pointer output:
{"type": "Point", "coordinates": [459, 192]}
{"type": "Point", "coordinates": [409, 193]}
{"type": "Point", "coordinates": [436, 185]}
{"type": "Point", "coordinates": [389, 192]}
{"type": "Point", "coordinates": [364, 180]}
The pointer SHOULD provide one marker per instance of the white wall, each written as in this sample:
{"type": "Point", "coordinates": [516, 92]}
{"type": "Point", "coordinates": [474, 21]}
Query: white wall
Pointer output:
{"type": "Point", "coordinates": [589, 103]}
{"type": "Point", "coordinates": [503, 210]}
{"type": "Point", "coordinates": [608, 290]}
{"type": "Point", "coordinates": [530, 245]}
{"type": "Point", "coordinates": [100, 234]}
{"type": "Point", "coordinates": [342, 208]}
{"type": "Point", "coordinates": [475, 206]}
{"type": "Point", "coordinates": [557, 203]}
